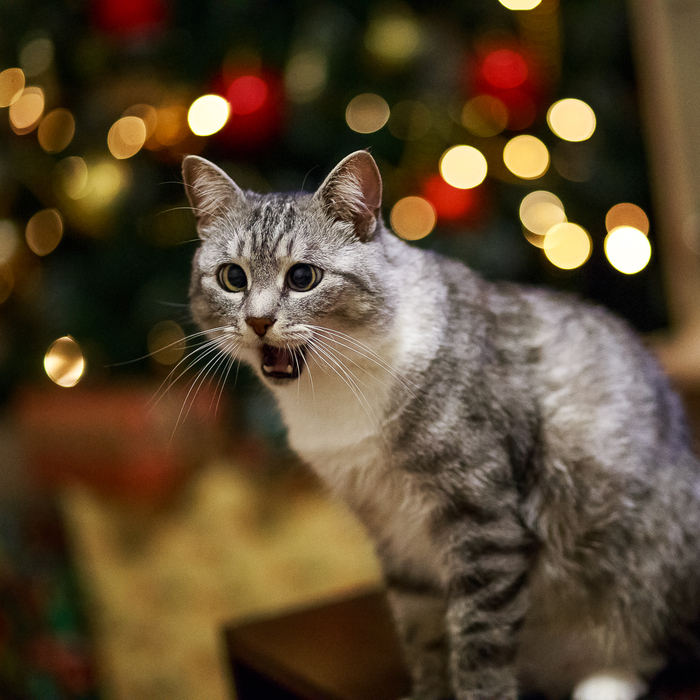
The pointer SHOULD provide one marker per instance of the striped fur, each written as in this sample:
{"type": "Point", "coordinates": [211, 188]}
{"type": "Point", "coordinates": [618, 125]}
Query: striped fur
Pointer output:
{"type": "Point", "coordinates": [517, 456]}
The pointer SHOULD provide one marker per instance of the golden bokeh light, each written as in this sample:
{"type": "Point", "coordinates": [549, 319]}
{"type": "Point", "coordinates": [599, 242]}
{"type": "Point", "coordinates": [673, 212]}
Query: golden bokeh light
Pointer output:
{"type": "Point", "coordinates": [394, 37]}
{"type": "Point", "coordinates": [208, 114]}
{"type": "Point", "coordinates": [567, 246]}
{"type": "Point", "coordinates": [166, 342]}
{"type": "Point", "coordinates": [126, 137]}
{"type": "Point", "coordinates": [171, 126]}
{"type": "Point", "coordinates": [520, 4]}
{"type": "Point", "coordinates": [626, 214]}
{"type": "Point", "coordinates": [526, 156]}
{"type": "Point", "coordinates": [306, 75]}
{"type": "Point", "coordinates": [410, 120]}
{"type": "Point", "coordinates": [11, 86]}
{"type": "Point", "coordinates": [73, 175]}
{"type": "Point", "coordinates": [56, 130]}
{"type": "Point", "coordinates": [36, 56]}
{"type": "Point", "coordinates": [463, 167]}
{"type": "Point", "coordinates": [64, 362]}
{"type": "Point", "coordinates": [413, 218]}
{"type": "Point", "coordinates": [44, 231]}
{"type": "Point", "coordinates": [147, 114]}
{"type": "Point", "coordinates": [105, 181]}
{"type": "Point", "coordinates": [26, 111]}
{"type": "Point", "coordinates": [571, 119]}
{"type": "Point", "coordinates": [485, 115]}
{"type": "Point", "coordinates": [627, 249]}
{"type": "Point", "coordinates": [9, 241]}
{"type": "Point", "coordinates": [367, 113]}
{"type": "Point", "coordinates": [539, 212]}
{"type": "Point", "coordinates": [7, 282]}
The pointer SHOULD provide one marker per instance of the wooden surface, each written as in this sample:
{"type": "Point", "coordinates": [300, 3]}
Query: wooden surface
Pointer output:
{"type": "Point", "coordinates": [342, 650]}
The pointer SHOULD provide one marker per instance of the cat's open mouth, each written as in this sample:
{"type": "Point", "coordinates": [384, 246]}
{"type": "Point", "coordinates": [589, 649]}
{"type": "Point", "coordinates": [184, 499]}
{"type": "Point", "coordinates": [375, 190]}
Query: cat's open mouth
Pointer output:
{"type": "Point", "coordinates": [282, 363]}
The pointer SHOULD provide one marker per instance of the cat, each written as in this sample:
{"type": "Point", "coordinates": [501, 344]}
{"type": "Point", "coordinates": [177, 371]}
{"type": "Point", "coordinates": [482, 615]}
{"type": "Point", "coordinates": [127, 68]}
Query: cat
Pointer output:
{"type": "Point", "coordinates": [516, 454]}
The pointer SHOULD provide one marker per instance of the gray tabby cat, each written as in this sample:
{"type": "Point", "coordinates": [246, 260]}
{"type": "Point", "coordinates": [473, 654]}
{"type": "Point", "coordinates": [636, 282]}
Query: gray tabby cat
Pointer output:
{"type": "Point", "coordinates": [516, 455]}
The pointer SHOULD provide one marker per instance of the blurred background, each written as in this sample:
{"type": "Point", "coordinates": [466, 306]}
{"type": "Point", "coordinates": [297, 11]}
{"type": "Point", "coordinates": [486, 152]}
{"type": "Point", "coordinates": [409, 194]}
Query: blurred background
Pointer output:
{"type": "Point", "coordinates": [144, 501]}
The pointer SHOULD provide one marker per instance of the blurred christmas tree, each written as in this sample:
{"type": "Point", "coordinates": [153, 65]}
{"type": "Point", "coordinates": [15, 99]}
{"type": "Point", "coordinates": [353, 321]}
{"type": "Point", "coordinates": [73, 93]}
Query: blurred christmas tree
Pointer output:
{"type": "Point", "coordinates": [95, 239]}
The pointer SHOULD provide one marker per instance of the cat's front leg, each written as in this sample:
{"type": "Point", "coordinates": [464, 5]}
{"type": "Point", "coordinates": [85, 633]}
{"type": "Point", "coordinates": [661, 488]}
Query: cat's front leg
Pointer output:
{"type": "Point", "coordinates": [420, 620]}
{"type": "Point", "coordinates": [488, 600]}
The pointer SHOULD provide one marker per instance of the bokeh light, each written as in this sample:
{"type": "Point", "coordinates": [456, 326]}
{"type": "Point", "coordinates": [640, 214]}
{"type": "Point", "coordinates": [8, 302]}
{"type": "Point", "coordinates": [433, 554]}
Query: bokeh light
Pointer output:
{"type": "Point", "coordinates": [166, 342]}
{"type": "Point", "coordinates": [9, 240]}
{"type": "Point", "coordinates": [44, 231]}
{"type": "Point", "coordinates": [56, 130]}
{"type": "Point", "coordinates": [11, 86]}
{"type": "Point", "coordinates": [126, 137]}
{"type": "Point", "coordinates": [627, 249]}
{"type": "Point", "coordinates": [504, 69]}
{"type": "Point", "coordinates": [26, 110]}
{"type": "Point", "coordinates": [567, 246]}
{"type": "Point", "coordinates": [393, 37]}
{"type": "Point", "coordinates": [413, 218]}
{"type": "Point", "coordinates": [171, 126]}
{"type": "Point", "coordinates": [36, 56]}
{"type": "Point", "coordinates": [208, 114]}
{"type": "Point", "coordinates": [571, 119]}
{"type": "Point", "coordinates": [247, 94]}
{"type": "Point", "coordinates": [73, 175]}
{"type": "Point", "coordinates": [306, 75]}
{"type": "Point", "coordinates": [485, 115]}
{"type": "Point", "coordinates": [526, 156]}
{"type": "Point", "coordinates": [626, 214]}
{"type": "Point", "coordinates": [520, 4]}
{"type": "Point", "coordinates": [64, 362]}
{"type": "Point", "coordinates": [463, 167]}
{"type": "Point", "coordinates": [367, 113]}
{"type": "Point", "coordinates": [539, 212]}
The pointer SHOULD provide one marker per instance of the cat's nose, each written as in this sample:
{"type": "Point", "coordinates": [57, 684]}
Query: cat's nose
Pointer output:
{"type": "Point", "coordinates": [260, 325]}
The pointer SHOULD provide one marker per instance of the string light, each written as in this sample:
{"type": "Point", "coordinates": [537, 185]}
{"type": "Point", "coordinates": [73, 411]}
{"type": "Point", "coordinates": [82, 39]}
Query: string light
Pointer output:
{"type": "Point", "coordinates": [463, 167]}
{"type": "Point", "coordinates": [44, 231]}
{"type": "Point", "coordinates": [367, 113]}
{"type": "Point", "coordinates": [571, 119]}
{"type": "Point", "coordinates": [626, 214]}
{"type": "Point", "coordinates": [520, 4]}
{"type": "Point", "coordinates": [627, 249]}
{"type": "Point", "coordinates": [208, 114]}
{"type": "Point", "coordinates": [11, 86]}
{"type": "Point", "coordinates": [247, 94]}
{"type": "Point", "coordinates": [306, 75]}
{"type": "Point", "coordinates": [394, 37]}
{"type": "Point", "coordinates": [567, 246]}
{"type": "Point", "coordinates": [56, 130]}
{"type": "Point", "coordinates": [26, 110]}
{"type": "Point", "coordinates": [126, 137]}
{"type": "Point", "coordinates": [36, 56]}
{"type": "Point", "coordinates": [526, 156]}
{"type": "Point", "coordinates": [413, 218]}
{"type": "Point", "coordinates": [539, 212]}
{"type": "Point", "coordinates": [64, 362]}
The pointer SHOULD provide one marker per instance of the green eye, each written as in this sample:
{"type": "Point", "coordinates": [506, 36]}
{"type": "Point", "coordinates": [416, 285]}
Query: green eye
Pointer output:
{"type": "Point", "coordinates": [232, 278]}
{"type": "Point", "coordinates": [303, 277]}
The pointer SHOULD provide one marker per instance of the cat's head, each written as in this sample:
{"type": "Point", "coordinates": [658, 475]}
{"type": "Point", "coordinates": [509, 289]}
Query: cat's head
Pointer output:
{"type": "Point", "coordinates": [277, 278]}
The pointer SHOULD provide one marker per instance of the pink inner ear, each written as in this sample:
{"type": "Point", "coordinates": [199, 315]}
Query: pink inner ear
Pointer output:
{"type": "Point", "coordinates": [370, 183]}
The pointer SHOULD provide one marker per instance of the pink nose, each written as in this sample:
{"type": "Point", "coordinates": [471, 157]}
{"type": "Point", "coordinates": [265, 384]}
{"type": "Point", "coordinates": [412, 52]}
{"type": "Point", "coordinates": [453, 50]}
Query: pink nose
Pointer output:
{"type": "Point", "coordinates": [260, 325]}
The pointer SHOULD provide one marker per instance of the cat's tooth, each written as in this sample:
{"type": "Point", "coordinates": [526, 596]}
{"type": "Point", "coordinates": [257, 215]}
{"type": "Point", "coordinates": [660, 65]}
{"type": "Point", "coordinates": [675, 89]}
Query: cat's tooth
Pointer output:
{"type": "Point", "coordinates": [289, 369]}
{"type": "Point", "coordinates": [267, 368]}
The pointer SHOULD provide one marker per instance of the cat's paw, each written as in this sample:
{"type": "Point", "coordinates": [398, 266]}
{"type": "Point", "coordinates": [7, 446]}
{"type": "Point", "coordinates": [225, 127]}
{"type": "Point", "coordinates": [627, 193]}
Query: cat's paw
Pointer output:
{"type": "Point", "coordinates": [609, 687]}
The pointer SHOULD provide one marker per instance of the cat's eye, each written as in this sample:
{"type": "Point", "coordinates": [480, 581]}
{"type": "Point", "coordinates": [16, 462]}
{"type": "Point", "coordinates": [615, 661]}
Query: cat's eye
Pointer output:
{"type": "Point", "coordinates": [232, 278]}
{"type": "Point", "coordinates": [302, 277]}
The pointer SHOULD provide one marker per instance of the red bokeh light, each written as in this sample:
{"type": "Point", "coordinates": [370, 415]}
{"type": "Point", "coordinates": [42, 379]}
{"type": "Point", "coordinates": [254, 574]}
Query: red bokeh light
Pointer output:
{"type": "Point", "coordinates": [126, 18]}
{"type": "Point", "coordinates": [452, 204]}
{"type": "Point", "coordinates": [504, 69]}
{"type": "Point", "coordinates": [247, 94]}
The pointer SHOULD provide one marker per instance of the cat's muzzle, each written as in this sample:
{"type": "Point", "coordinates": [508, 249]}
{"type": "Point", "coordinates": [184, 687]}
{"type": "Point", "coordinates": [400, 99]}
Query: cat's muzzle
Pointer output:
{"type": "Point", "coordinates": [282, 363]}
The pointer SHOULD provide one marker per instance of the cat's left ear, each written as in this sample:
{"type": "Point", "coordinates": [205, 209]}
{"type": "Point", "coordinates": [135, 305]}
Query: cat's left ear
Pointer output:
{"type": "Point", "coordinates": [353, 193]}
{"type": "Point", "coordinates": [210, 190]}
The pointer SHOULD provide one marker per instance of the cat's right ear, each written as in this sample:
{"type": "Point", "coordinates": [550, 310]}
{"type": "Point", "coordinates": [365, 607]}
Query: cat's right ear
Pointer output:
{"type": "Point", "coordinates": [211, 192]}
